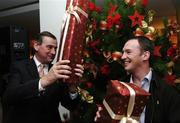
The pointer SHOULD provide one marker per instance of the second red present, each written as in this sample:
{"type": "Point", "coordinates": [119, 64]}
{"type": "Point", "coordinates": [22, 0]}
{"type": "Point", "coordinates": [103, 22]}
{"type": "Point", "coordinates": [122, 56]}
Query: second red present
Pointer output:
{"type": "Point", "coordinates": [123, 100]}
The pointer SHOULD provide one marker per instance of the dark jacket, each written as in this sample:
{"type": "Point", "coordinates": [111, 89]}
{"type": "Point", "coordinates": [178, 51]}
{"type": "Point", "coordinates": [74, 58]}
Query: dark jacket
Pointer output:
{"type": "Point", "coordinates": [164, 103]}
{"type": "Point", "coordinates": [23, 103]}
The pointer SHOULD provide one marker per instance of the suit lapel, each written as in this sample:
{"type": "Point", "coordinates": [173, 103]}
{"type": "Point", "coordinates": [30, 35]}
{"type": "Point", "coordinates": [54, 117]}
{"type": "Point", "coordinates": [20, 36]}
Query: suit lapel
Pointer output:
{"type": "Point", "coordinates": [50, 65]}
{"type": "Point", "coordinates": [150, 107]}
{"type": "Point", "coordinates": [32, 68]}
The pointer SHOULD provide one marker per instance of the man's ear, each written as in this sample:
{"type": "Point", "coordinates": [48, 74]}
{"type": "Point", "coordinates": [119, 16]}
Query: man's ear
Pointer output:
{"type": "Point", "coordinates": [146, 55]}
{"type": "Point", "coordinates": [36, 45]}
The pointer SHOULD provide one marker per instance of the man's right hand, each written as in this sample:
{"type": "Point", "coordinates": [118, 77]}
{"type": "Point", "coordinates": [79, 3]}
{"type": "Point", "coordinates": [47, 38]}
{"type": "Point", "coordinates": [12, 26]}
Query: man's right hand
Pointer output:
{"type": "Point", "coordinates": [60, 70]}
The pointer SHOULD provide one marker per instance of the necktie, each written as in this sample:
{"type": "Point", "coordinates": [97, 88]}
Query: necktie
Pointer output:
{"type": "Point", "coordinates": [41, 70]}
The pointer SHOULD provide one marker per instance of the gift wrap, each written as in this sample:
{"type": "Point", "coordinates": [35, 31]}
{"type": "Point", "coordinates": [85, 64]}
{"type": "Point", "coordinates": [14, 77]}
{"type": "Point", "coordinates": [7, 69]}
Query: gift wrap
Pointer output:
{"type": "Point", "coordinates": [73, 34]}
{"type": "Point", "coordinates": [123, 102]}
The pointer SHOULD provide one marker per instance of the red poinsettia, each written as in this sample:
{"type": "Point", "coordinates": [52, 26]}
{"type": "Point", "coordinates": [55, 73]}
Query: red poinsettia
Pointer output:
{"type": "Point", "coordinates": [136, 19]}
{"type": "Point", "coordinates": [117, 18]}
{"type": "Point", "coordinates": [93, 7]}
{"type": "Point", "coordinates": [110, 21]}
{"type": "Point", "coordinates": [113, 20]}
{"type": "Point", "coordinates": [157, 51]}
{"type": "Point", "coordinates": [98, 9]}
{"type": "Point", "coordinates": [119, 26]}
{"type": "Point", "coordinates": [93, 45]}
{"type": "Point", "coordinates": [94, 25]}
{"type": "Point", "coordinates": [88, 85]}
{"type": "Point", "coordinates": [105, 69]}
{"type": "Point", "coordinates": [171, 52]}
{"type": "Point", "coordinates": [170, 79]}
{"type": "Point", "coordinates": [144, 3]}
{"type": "Point", "coordinates": [113, 16]}
{"type": "Point", "coordinates": [112, 9]}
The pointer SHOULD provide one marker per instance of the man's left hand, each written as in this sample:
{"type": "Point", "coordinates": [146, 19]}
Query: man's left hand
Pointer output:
{"type": "Point", "coordinates": [79, 70]}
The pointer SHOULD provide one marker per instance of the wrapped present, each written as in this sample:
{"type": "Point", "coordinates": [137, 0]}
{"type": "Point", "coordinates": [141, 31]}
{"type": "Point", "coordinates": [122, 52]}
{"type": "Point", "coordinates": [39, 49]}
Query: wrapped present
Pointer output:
{"type": "Point", "coordinates": [123, 102]}
{"type": "Point", "coordinates": [73, 33]}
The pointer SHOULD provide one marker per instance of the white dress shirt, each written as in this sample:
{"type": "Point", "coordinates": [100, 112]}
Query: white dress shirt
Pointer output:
{"type": "Point", "coordinates": [46, 68]}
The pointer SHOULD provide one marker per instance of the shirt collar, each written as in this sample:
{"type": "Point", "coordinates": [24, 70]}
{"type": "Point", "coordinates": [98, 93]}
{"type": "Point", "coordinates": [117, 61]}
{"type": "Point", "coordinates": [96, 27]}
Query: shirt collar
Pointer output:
{"type": "Point", "coordinates": [148, 76]}
{"type": "Point", "coordinates": [37, 62]}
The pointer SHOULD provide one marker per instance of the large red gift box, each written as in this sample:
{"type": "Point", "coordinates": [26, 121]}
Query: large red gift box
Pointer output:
{"type": "Point", "coordinates": [123, 100]}
{"type": "Point", "coordinates": [73, 34]}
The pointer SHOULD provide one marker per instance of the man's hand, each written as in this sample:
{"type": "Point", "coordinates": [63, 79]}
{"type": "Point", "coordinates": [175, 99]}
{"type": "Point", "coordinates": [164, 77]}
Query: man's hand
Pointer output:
{"type": "Point", "coordinates": [60, 70]}
{"type": "Point", "coordinates": [98, 113]}
{"type": "Point", "coordinates": [79, 70]}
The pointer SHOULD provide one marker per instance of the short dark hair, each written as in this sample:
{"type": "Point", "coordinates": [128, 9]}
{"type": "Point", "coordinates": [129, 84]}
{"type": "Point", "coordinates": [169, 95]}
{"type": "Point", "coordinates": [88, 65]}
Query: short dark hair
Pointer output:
{"type": "Point", "coordinates": [44, 33]}
{"type": "Point", "coordinates": [145, 45]}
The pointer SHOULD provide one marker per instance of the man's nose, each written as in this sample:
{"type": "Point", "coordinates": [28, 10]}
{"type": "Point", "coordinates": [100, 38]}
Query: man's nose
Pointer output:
{"type": "Point", "coordinates": [53, 51]}
{"type": "Point", "coordinates": [123, 56]}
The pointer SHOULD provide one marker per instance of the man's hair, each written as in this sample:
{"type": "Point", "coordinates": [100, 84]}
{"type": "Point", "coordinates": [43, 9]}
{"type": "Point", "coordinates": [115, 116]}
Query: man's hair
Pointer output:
{"type": "Point", "coordinates": [145, 45]}
{"type": "Point", "coordinates": [44, 33]}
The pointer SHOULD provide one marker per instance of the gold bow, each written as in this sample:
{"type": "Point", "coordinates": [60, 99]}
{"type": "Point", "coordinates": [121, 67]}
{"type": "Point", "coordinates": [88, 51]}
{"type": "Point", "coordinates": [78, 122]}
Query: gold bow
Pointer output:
{"type": "Point", "coordinates": [85, 96]}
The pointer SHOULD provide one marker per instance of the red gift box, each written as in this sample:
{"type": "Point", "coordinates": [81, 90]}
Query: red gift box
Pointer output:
{"type": "Point", "coordinates": [123, 101]}
{"type": "Point", "coordinates": [73, 34]}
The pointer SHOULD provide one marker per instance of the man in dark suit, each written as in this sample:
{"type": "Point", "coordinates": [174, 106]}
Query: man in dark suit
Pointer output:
{"type": "Point", "coordinates": [34, 98]}
{"type": "Point", "coordinates": [163, 105]}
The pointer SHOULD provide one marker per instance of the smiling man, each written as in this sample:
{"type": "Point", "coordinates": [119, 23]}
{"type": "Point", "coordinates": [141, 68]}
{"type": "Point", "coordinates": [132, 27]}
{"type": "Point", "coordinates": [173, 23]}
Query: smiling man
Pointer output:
{"type": "Point", "coordinates": [36, 87]}
{"type": "Point", "coordinates": [163, 105]}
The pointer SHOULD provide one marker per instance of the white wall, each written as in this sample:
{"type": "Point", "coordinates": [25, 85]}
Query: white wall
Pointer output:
{"type": "Point", "coordinates": [51, 14]}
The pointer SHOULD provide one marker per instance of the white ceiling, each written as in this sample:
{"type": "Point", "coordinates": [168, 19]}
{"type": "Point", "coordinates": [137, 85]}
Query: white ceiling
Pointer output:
{"type": "Point", "coordinates": [26, 12]}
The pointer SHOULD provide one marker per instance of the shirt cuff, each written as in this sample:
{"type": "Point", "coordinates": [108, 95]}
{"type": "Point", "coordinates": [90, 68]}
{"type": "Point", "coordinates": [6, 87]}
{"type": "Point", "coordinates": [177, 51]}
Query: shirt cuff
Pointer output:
{"type": "Point", "coordinates": [73, 95]}
{"type": "Point", "coordinates": [40, 87]}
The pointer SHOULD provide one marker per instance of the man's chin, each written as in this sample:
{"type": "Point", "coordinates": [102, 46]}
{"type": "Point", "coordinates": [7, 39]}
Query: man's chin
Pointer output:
{"type": "Point", "coordinates": [50, 60]}
{"type": "Point", "coordinates": [126, 68]}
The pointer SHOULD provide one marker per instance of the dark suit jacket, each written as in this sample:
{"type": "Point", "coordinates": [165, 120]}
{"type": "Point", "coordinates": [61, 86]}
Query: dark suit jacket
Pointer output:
{"type": "Point", "coordinates": [164, 103]}
{"type": "Point", "coordinates": [25, 104]}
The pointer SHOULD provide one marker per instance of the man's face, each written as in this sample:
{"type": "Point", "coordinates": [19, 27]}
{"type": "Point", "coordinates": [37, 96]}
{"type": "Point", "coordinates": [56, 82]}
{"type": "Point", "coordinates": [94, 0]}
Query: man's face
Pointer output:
{"type": "Point", "coordinates": [132, 56]}
{"type": "Point", "coordinates": [47, 50]}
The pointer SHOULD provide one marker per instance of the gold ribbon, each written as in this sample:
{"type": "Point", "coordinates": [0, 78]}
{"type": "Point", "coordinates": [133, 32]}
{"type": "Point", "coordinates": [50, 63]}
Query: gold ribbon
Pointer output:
{"type": "Point", "coordinates": [85, 96]}
{"type": "Point", "coordinates": [151, 14]}
{"type": "Point", "coordinates": [130, 105]}
{"type": "Point", "coordinates": [88, 33]}
{"type": "Point", "coordinates": [128, 120]}
{"type": "Point", "coordinates": [122, 118]}
{"type": "Point", "coordinates": [65, 23]}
